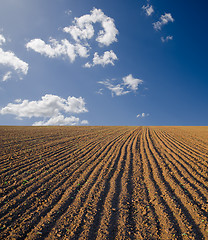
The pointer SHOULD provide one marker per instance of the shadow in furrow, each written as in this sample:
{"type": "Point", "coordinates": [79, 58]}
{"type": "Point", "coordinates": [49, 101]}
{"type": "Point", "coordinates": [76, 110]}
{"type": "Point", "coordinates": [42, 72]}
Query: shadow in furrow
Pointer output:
{"type": "Point", "coordinates": [113, 225]}
{"type": "Point", "coordinates": [100, 206]}
{"type": "Point", "coordinates": [181, 151]}
{"type": "Point", "coordinates": [182, 165]}
{"type": "Point", "coordinates": [146, 192]}
{"type": "Point", "coordinates": [196, 229]}
{"type": "Point", "coordinates": [186, 192]}
{"type": "Point", "coordinates": [171, 216]}
{"type": "Point", "coordinates": [130, 187]}
{"type": "Point", "coordinates": [49, 225]}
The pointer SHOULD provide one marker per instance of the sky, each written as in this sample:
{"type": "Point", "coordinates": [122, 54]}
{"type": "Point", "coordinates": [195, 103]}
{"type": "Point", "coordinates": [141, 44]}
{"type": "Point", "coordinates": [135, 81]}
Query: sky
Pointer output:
{"type": "Point", "coordinates": [96, 62]}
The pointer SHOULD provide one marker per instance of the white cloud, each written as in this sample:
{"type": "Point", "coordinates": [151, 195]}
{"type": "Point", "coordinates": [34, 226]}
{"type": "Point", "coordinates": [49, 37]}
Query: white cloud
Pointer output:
{"type": "Point", "coordinates": [81, 31]}
{"type": "Point", "coordinates": [143, 115]}
{"type": "Point", "coordinates": [11, 60]}
{"type": "Point", "coordinates": [18, 100]}
{"type": "Point", "coordinates": [108, 58]}
{"type": "Point", "coordinates": [84, 122]}
{"type": "Point", "coordinates": [148, 9]}
{"type": "Point", "coordinates": [129, 84]}
{"type": "Point", "coordinates": [83, 28]}
{"type": "Point", "coordinates": [2, 39]}
{"type": "Point", "coordinates": [49, 106]}
{"type": "Point", "coordinates": [7, 76]}
{"type": "Point", "coordinates": [60, 120]}
{"type": "Point", "coordinates": [164, 19]}
{"type": "Point", "coordinates": [56, 49]}
{"type": "Point", "coordinates": [132, 83]}
{"type": "Point", "coordinates": [87, 65]}
{"type": "Point", "coordinates": [81, 50]}
{"type": "Point", "coordinates": [166, 39]}
{"type": "Point", "coordinates": [117, 90]}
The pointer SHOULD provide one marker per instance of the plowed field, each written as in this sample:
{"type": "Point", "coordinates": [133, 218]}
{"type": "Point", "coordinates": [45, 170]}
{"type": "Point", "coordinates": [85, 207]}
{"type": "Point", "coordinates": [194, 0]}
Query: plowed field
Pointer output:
{"type": "Point", "coordinates": [104, 183]}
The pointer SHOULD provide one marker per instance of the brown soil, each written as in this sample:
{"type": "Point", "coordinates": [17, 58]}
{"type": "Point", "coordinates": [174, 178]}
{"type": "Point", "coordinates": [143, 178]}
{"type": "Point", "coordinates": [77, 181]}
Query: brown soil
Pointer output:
{"type": "Point", "coordinates": [104, 183]}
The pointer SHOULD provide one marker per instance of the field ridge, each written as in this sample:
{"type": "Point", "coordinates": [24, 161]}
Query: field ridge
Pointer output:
{"type": "Point", "coordinates": [109, 182]}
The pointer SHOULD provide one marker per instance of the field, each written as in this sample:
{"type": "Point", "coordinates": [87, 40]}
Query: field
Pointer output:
{"type": "Point", "coordinates": [104, 183]}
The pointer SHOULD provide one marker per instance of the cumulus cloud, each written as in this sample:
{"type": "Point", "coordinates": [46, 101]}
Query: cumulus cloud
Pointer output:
{"type": "Point", "coordinates": [57, 49]}
{"type": "Point", "coordinates": [164, 19]}
{"type": "Point", "coordinates": [81, 31]}
{"type": "Point", "coordinates": [7, 76]}
{"type": "Point", "coordinates": [166, 39]}
{"type": "Point", "coordinates": [143, 115]}
{"type": "Point", "coordinates": [83, 28]}
{"type": "Point", "coordinates": [11, 60]}
{"type": "Point", "coordinates": [49, 106]}
{"type": "Point", "coordinates": [60, 120]}
{"type": "Point", "coordinates": [148, 9]}
{"type": "Point", "coordinates": [108, 58]}
{"type": "Point", "coordinates": [131, 82]}
{"type": "Point", "coordinates": [128, 84]}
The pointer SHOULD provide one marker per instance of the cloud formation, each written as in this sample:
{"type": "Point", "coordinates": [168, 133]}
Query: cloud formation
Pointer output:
{"type": "Point", "coordinates": [143, 115]}
{"type": "Point", "coordinates": [166, 39]}
{"type": "Point", "coordinates": [7, 76]}
{"type": "Point", "coordinates": [60, 120]}
{"type": "Point", "coordinates": [116, 90]}
{"type": "Point", "coordinates": [81, 31]}
{"type": "Point", "coordinates": [148, 9]}
{"type": "Point", "coordinates": [9, 59]}
{"type": "Point", "coordinates": [50, 106]}
{"type": "Point", "coordinates": [83, 28]}
{"type": "Point", "coordinates": [57, 49]}
{"type": "Point", "coordinates": [128, 84]}
{"type": "Point", "coordinates": [164, 19]}
{"type": "Point", "coordinates": [108, 58]}
{"type": "Point", "coordinates": [131, 82]}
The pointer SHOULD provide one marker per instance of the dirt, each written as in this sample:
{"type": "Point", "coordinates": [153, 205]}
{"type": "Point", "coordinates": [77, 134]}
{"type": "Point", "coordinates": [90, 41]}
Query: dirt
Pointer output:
{"type": "Point", "coordinates": [104, 182]}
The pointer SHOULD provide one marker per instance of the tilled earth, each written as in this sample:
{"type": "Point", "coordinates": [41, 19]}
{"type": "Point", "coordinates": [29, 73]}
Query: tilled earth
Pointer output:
{"type": "Point", "coordinates": [104, 183]}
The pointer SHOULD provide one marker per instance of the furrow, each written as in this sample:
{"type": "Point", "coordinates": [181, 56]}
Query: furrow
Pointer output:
{"type": "Point", "coordinates": [83, 210]}
{"type": "Point", "coordinates": [53, 163]}
{"type": "Point", "coordinates": [188, 140]}
{"type": "Point", "coordinates": [198, 156]}
{"type": "Point", "coordinates": [184, 163]}
{"type": "Point", "coordinates": [147, 221]}
{"type": "Point", "coordinates": [47, 223]}
{"type": "Point", "coordinates": [29, 184]}
{"type": "Point", "coordinates": [96, 182]}
{"type": "Point", "coordinates": [182, 176]}
{"type": "Point", "coordinates": [27, 164]}
{"type": "Point", "coordinates": [126, 222]}
{"type": "Point", "coordinates": [108, 224]}
{"type": "Point", "coordinates": [170, 228]}
{"type": "Point", "coordinates": [59, 195]}
{"type": "Point", "coordinates": [175, 198]}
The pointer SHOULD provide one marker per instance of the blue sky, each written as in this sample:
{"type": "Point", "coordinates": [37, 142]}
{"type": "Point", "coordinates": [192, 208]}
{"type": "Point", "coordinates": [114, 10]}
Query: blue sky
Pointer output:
{"type": "Point", "coordinates": [67, 62]}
